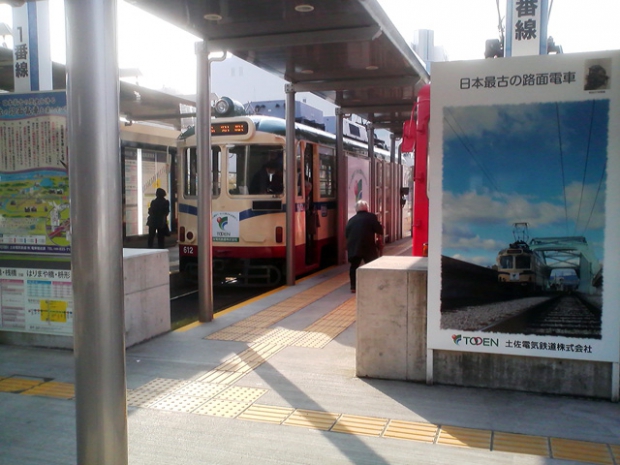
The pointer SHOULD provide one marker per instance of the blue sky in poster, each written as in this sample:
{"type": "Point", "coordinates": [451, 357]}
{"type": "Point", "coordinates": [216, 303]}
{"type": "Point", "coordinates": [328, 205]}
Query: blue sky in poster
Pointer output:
{"type": "Point", "coordinates": [541, 163]}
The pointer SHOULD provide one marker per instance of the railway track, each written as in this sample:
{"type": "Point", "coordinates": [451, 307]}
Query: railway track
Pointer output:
{"type": "Point", "coordinates": [562, 315]}
{"type": "Point", "coordinates": [567, 316]}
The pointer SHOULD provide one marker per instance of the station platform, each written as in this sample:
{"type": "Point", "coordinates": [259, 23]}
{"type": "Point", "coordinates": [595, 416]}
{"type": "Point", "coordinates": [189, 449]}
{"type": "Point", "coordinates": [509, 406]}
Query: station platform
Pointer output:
{"type": "Point", "coordinates": [272, 381]}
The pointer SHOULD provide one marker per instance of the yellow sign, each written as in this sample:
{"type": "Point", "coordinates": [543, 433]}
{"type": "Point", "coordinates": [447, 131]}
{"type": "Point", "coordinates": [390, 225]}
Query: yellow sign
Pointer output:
{"type": "Point", "coordinates": [54, 310]}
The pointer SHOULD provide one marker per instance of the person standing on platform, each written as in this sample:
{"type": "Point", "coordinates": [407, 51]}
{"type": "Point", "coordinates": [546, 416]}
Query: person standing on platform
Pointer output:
{"type": "Point", "coordinates": [360, 234]}
{"type": "Point", "coordinates": [158, 219]}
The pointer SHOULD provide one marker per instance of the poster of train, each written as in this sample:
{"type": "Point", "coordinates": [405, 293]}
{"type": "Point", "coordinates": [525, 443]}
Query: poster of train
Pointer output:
{"type": "Point", "coordinates": [525, 178]}
{"type": "Point", "coordinates": [34, 180]}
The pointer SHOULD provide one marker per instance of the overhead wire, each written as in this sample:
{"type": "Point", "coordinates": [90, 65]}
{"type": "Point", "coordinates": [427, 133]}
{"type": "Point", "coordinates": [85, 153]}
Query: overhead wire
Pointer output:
{"type": "Point", "coordinates": [557, 114]}
{"type": "Point", "coordinates": [470, 149]}
{"type": "Point", "coordinates": [600, 183]}
{"type": "Point", "coordinates": [585, 167]}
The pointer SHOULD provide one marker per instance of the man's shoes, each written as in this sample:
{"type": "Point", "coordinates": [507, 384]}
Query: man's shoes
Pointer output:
{"type": "Point", "coordinates": [352, 291]}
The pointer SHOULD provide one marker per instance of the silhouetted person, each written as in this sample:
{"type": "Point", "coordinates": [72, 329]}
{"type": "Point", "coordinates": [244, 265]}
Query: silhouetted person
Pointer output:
{"type": "Point", "coordinates": [268, 180]}
{"type": "Point", "coordinates": [360, 234]}
{"type": "Point", "coordinates": [158, 219]}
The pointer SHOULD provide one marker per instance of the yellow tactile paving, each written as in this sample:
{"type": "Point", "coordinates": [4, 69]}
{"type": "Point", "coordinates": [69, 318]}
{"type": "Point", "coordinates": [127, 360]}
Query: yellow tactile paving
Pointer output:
{"type": "Point", "coordinates": [145, 399]}
{"type": "Point", "coordinates": [221, 408]}
{"type": "Point", "coordinates": [241, 394]}
{"type": "Point", "coordinates": [178, 403]}
{"type": "Point", "coordinates": [281, 310]}
{"type": "Point", "coordinates": [163, 385]}
{"type": "Point", "coordinates": [221, 377]}
{"type": "Point", "coordinates": [581, 451]}
{"type": "Point", "coordinates": [521, 444]}
{"type": "Point", "coordinates": [615, 451]}
{"type": "Point", "coordinates": [464, 437]}
{"type": "Point", "coordinates": [313, 340]}
{"type": "Point", "coordinates": [52, 389]}
{"type": "Point", "coordinates": [312, 419]}
{"type": "Point", "coordinates": [197, 389]}
{"type": "Point", "coordinates": [266, 413]}
{"type": "Point", "coordinates": [412, 431]}
{"type": "Point", "coordinates": [17, 385]}
{"type": "Point", "coordinates": [280, 336]}
{"type": "Point", "coordinates": [354, 424]}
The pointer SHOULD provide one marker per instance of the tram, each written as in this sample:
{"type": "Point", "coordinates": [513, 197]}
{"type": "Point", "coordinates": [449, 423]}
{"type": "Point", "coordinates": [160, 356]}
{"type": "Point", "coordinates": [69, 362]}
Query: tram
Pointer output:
{"type": "Point", "coordinates": [249, 195]}
{"type": "Point", "coordinates": [415, 138]}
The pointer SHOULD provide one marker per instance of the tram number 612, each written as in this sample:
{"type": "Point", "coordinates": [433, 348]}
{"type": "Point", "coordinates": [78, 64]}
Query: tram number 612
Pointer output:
{"type": "Point", "coordinates": [190, 250]}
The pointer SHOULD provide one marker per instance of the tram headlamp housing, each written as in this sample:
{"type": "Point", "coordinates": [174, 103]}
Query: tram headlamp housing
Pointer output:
{"type": "Point", "coordinates": [228, 107]}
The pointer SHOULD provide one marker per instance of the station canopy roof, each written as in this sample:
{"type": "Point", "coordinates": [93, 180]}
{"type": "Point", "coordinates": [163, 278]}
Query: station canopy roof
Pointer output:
{"type": "Point", "coordinates": [136, 103]}
{"type": "Point", "coordinates": [345, 51]}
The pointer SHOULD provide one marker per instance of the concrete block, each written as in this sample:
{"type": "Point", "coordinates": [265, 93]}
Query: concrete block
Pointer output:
{"type": "Point", "coordinates": [146, 285]}
{"type": "Point", "coordinates": [391, 319]}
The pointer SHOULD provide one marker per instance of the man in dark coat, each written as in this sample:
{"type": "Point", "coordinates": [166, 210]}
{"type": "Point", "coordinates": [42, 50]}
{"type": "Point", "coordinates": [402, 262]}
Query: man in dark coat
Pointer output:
{"type": "Point", "coordinates": [268, 180]}
{"type": "Point", "coordinates": [158, 219]}
{"type": "Point", "coordinates": [360, 233]}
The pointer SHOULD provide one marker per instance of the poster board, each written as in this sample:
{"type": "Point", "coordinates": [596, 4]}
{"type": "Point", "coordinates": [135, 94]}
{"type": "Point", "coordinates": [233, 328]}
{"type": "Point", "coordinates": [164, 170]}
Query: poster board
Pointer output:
{"type": "Point", "coordinates": [525, 145]}
{"type": "Point", "coordinates": [34, 179]}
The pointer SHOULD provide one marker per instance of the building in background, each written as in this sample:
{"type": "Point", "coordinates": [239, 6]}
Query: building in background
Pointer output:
{"type": "Point", "coordinates": [424, 45]}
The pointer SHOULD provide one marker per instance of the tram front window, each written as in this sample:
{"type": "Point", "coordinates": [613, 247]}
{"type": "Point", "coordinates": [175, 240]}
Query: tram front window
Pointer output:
{"type": "Point", "coordinates": [505, 262]}
{"type": "Point", "coordinates": [250, 165]}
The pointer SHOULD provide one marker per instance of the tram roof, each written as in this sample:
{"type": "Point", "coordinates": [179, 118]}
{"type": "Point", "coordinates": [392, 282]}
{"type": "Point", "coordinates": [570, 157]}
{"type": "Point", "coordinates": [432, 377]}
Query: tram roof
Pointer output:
{"type": "Point", "coordinates": [345, 51]}
{"type": "Point", "coordinates": [136, 103]}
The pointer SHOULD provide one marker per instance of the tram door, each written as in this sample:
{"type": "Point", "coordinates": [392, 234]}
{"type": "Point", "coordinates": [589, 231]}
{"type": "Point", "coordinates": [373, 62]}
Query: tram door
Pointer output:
{"type": "Point", "coordinates": [309, 194]}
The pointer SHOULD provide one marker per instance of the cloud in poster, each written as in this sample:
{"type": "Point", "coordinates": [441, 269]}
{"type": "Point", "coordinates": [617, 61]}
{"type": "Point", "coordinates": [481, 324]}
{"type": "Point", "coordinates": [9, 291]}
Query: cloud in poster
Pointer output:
{"type": "Point", "coordinates": [477, 225]}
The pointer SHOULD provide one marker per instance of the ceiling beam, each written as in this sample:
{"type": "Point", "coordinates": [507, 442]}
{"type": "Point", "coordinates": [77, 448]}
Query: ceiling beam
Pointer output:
{"type": "Point", "coordinates": [161, 116]}
{"type": "Point", "coordinates": [348, 84]}
{"type": "Point", "coordinates": [330, 36]}
{"type": "Point", "coordinates": [378, 108]}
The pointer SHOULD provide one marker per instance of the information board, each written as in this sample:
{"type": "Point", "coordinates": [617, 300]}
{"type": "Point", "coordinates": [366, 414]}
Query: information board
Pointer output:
{"type": "Point", "coordinates": [34, 180]}
{"type": "Point", "coordinates": [525, 178]}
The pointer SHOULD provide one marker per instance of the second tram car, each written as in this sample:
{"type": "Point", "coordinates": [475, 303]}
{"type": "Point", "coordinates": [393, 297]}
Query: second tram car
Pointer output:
{"type": "Point", "coordinates": [249, 199]}
{"type": "Point", "coordinates": [416, 137]}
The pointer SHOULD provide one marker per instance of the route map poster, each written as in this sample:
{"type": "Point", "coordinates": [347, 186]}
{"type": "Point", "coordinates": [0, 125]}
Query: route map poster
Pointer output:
{"type": "Point", "coordinates": [35, 300]}
{"type": "Point", "coordinates": [525, 179]}
{"type": "Point", "coordinates": [34, 180]}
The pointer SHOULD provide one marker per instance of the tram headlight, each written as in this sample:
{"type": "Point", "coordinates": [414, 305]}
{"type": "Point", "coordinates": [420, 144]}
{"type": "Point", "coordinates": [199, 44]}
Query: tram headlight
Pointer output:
{"type": "Point", "coordinates": [228, 107]}
{"type": "Point", "coordinates": [222, 106]}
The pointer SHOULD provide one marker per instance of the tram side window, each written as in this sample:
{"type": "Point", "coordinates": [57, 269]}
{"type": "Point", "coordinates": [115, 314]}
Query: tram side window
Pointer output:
{"type": "Point", "coordinates": [327, 172]}
{"type": "Point", "coordinates": [248, 173]}
{"type": "Point", "coordinates": [190, 164]}
{"type": "Point", "coordinates": [522, 261]}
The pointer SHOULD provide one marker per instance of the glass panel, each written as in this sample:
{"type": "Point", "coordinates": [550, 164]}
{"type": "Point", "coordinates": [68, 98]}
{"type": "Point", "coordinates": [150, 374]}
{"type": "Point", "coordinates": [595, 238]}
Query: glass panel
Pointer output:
{"type": "Point", "coordinates": [327, 172]}
{"type": "Point", "coordinates": [298, 168]}
{"type": "Point", "coordinates": [216, 163]}
{"type": "Point", "coordinates": [255, 169]}
{"type": "Point", "coordinates": [522, 261]}
{"type": "Point", "coordinates": [379, 189]}
{"type": "Point", "coordinates": [190, 183]}
{"type": "Point", "coordinates": [505, 262]}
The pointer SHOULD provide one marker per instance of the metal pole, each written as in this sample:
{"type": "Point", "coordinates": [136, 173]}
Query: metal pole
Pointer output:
{"type": "Point", "coordinates": [203, 151]}
{"type": "Point", "coordinates": [396, 183]}
{"type": "Point", "coordinates": [373, 169]}
{"type": "Point", "coordinates": [290, 184]}
{"type": "Point", "coordinates": [343, 198]}
{"type": "Point", "coordinates": [96, 223]}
